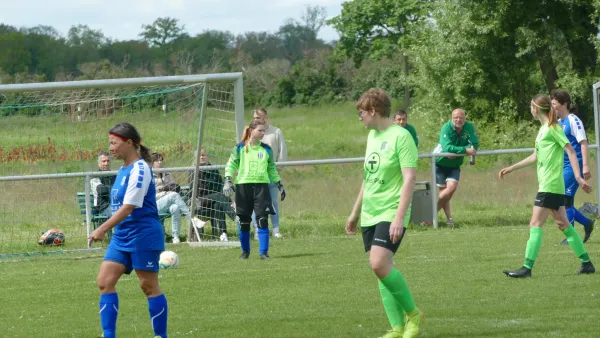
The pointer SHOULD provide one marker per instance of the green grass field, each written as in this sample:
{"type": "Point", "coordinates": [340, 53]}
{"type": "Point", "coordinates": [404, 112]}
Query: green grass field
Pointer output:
{"type": "Point", "coordinates": [318, 283]}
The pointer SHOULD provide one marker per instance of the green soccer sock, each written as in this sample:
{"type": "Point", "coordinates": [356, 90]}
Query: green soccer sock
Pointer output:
{"type": "Point", "coordinates": [396, 285]}
{"type": "Point", "coordinates": [576, 244]}
{"type": "Point", "coordinates": [533, 246]}
{"type": "Point", "coordinates": [394, 311]}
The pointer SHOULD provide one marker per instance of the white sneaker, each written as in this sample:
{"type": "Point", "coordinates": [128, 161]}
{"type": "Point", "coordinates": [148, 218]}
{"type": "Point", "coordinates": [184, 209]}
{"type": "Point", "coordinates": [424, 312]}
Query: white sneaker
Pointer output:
{"type": "Point", "coordinates": [176, 240]}
{"type": "Point", "coordinates": [224, 237]}
{"type": "Point", "coordinates": [198, 223]}
{"type": "Point", "coordinates": [277, 234]}
{"type": "Point", "coordinates": [450, 222]}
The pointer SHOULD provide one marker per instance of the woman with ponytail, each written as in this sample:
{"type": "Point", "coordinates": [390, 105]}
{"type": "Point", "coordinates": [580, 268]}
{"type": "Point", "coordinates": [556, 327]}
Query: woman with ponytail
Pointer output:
{"type": "Point", "coordinates": [254, 162]}
{"type": "Point", "coordinates": [550, 145]}
{"type": "Point", "coordinates": [138, 238]}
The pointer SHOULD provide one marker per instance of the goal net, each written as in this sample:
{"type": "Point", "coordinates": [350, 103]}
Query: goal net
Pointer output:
{"type": "Point", "coordinates": [53, 134]}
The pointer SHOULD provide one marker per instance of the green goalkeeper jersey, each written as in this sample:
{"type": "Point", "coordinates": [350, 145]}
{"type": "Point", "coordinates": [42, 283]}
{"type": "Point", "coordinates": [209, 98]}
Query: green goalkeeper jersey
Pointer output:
{"type": "Point", "coordinates": [387, 153]}
{"type": "Point", "coordinates": [549, 148]}
{"type": "Point", "coordinates": [254, 164]}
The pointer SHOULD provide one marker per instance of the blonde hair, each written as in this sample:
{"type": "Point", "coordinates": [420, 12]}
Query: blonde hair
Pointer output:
{"type": "Point", "coordinates": [543, 105]}
{"type": "Point", "coordinates": [248, 130]}
{"type": "Point", "coordinates": [375, 99]}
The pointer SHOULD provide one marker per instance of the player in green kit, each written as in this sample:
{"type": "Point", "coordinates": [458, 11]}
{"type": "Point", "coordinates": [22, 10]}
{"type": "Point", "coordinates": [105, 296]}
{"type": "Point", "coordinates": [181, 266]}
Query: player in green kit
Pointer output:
{"type": "Point", "coordinates": [383, 205]}
{"type": "Point", "coordinates": [550, 199]}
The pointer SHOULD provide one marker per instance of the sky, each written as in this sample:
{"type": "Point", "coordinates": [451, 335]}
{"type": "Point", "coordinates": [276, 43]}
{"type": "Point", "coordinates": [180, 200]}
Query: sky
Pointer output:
{"type": "Point", "coordinates": [123, 19]}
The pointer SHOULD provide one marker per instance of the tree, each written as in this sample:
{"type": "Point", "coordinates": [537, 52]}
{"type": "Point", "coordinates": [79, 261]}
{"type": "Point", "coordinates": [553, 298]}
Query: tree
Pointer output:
{"type": "Point", "coordinates": [314, 17]}
{"type": "Point", "coordinates": [162, 31]}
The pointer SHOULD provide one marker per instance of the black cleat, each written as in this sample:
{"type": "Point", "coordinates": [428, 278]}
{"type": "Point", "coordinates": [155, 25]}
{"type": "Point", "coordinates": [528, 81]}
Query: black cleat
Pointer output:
{"type": "Point", "coordinates": [564, 242]}
{"type": "Point", "coordinates": [586, 268]}
{"type": "Point", "coordinates": [588, 231]}
{"type": "Point", "coordinates": [521, 272]}
{"type": "Point", "coordinates": [245, 255]}
{"type": "Point", "coordinates": [264, 256]}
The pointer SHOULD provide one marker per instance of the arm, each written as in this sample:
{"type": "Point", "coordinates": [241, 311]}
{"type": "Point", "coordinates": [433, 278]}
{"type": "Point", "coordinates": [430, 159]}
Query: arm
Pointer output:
{"type": "Point", "coordinates": [585, 154]}
{"type": "Point", "coordinates": [406, 193]}
{"type": "Point", "coordinates": [282, 148]}
{"type": "Point", "coordinates": [446, 143]}
{"type": "Point", "coordinates": [94, 183]}
{"type": "Point", "coordinates": [575, 165]}
{"type": "Point", "coordinates": [529, 160]}
{"type": "Point", "coordinates": [352, 221]}
{"type": "Point", "coordinates": [272, 168]}
{"type": "Point", "coordinates": [233, 163]}
{"type": "Point", "coordinates": [473, 139]}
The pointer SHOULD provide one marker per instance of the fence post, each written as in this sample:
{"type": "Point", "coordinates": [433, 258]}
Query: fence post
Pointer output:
{"type": "Point", "coordinates": [433, 193]}
{"type": "Point", "coordinates": [88, 207]}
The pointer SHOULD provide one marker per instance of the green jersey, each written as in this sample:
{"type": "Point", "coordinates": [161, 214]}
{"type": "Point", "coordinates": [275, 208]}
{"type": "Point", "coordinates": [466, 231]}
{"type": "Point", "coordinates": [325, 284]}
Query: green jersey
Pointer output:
{"type": "Point", "coordinates": [457, 143]}
{"type": "Point", "coordinates": [549, 149]}
{"type": "Point", "coordinates": [387, 153]}
{"type": "Point", "coordinates": [413, 133]}
{"type": "Point", "coordinates": [254, 164]}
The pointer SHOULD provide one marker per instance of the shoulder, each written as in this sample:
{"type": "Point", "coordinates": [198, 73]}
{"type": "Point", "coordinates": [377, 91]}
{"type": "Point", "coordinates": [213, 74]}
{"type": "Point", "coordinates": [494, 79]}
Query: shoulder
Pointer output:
{"type": "Point", "coordinates": [266, 146]}
{"type": "Point", "coordinates": [239, 146]}
{"type": "Point", "coordinates": [469, 125]}
{"type": "Point", "coordinates": [447, 126]}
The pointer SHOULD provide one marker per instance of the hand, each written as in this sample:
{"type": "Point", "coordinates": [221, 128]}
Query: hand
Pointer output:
{"type": "Point", "coordinates": [281, 190]}
{"type": "Point", "coordinates": [351, 225]}
{"type": "Point", "coordinates": [584, 185]}
{"type": "Point", "coordinates": [504, 172]}
{"type": "Point", "coordinates": [471, 151]}
{"type": "Point", "coordinates": [228, 188]}
{"type": "Point", "coordinates": [586, 172]}
{"type": "Point", "coordinates": [95, 236]}
{"type": "Point", "coordinates": [396, 230]}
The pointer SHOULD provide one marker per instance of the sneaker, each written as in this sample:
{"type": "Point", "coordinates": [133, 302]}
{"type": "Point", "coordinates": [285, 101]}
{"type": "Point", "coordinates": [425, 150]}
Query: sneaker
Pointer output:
{"type": "Point", "coordinates": [586, 268]}
{"type": "Point", "coordinates": [224, 237]}
{"type": "Point", "coordinates": [264, 256]}
{"type": "Point", "coordinates": [413, 325]}
{"type": "Point", "coordinates": [450, 222]}
{"type": "Point", "coordinates": [395, 332]}
{"type": "Point", "coordinates": [521, 272]}
{"type": "Point", "coordinates": [198, 223]}
{"type": "Point", "coordinates": [245, 255]}
{"type": "Point", "coordinates": [588, 231]}
{"type": "Point", "coordinates": [176, 240]}
{"type": "Point", "coordinates": [277, 234]}
{"type": "Point", "coordinates": [564, 242]}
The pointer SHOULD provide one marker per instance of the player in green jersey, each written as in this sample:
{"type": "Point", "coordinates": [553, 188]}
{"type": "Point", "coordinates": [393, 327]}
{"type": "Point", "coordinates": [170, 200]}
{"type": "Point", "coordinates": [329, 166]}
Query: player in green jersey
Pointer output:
{"type": "Point", "coordinates": [253, 161]}
{"type": "Point", "coordinates": [550, 199]}
{"type": "Point", "coordinates": [383, 205]}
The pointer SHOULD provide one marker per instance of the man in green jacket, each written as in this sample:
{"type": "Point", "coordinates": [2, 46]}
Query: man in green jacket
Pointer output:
{"type": "Point", "coordinates": [457, 136]}
{"type": "Point", "coordinates": [401, 119]}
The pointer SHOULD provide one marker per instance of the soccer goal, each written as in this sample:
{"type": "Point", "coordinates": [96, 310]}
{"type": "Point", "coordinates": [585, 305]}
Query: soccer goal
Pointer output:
{"type": "Point", "coordinates": [52, 134]}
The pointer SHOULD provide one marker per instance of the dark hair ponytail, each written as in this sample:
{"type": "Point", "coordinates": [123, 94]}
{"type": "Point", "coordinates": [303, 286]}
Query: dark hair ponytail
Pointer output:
{"type": "Point", "coordinates": [127, 131]}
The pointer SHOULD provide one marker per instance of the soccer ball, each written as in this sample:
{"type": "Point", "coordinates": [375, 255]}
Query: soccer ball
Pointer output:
{"type": "Point", "coordinates": [52, 237]}
{"type": "Point", "coordinates": [168, 260]}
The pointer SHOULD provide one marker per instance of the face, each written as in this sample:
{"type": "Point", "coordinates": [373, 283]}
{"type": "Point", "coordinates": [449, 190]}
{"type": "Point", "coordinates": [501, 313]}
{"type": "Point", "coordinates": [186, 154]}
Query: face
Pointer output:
{"type": "Point", "coordinates": [458, 119]}
{"type": "Point", "coordinates": [260, 116]}
{"type": "Point", "coordinates": [158, 163]}
{"type": "Point", "coordinates": [401, 120]}
{"type": "Point", "coordinates": [203, 157]}
{"type": "Point", "coordinates": [559, 107]}
{"type": "Point", "coordinates": [119, 148]}
{"type": "Point", "coordinates": [104, 163]}
{"type": "Point", "coordinates": [258, 133]}
{"type": "Point", "coordinates": [367, 117]}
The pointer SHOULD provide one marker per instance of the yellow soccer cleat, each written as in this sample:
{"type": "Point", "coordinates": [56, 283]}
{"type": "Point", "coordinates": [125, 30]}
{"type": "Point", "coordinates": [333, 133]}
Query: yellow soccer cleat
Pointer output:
{"type": "Point", "coordinates": [395, 332]}
{"type": "Point", "coordinates": [413, 325]}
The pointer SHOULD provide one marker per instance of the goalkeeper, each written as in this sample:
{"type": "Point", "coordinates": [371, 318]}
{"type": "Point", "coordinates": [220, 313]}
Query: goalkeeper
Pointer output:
{"type": "Point", "coordinates": [253, 160]}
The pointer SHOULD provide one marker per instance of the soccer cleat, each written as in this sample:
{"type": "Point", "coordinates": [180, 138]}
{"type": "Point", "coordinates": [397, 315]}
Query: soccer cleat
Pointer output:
{"type": "Point", "coordinates": [564, 242]}
{"type": "Point", "coordinates": [586, 268]}
{"type": "Point", "coordinates": [588, 231]}
{"type": "Point", "coordinates": [176, 240]}
{"type": "Point", "coordinates": [395, 332]}
{"type": "Point", "coordinates": [264, 256]}
{"type": "Point", "coordinates": [521, 272]}
{"type": "Point", "coordinates": [277, 234]}
{"type": "Point", "coordinates": [245, 255]}
{"type": "Point", "coordinates": [224, 237]}
{"type": "Point", "coordinates": [413, 325]}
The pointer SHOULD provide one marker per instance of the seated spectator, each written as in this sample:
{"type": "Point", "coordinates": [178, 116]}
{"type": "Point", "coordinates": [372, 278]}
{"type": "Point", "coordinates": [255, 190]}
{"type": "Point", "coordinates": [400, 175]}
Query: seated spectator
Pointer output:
{"type": "Point", "coordinates": [101, 186]}
{"type": "Point", "coordinates": [210, 200]}
{"type": "Point", "coordinates": [168, 198]}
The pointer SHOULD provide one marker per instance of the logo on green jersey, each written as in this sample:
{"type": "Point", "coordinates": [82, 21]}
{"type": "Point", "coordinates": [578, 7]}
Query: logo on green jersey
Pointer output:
{"type": "Point", "coordinates": [372, 163]}
{"type": "Point", "coordinates": [260, 156]}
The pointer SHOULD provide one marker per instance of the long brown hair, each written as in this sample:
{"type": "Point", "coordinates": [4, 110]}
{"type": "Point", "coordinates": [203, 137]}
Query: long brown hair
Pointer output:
{"type": "Point", "coordinates": [248, 130]}
{"type": "Point", "coordinates": [543, 105]}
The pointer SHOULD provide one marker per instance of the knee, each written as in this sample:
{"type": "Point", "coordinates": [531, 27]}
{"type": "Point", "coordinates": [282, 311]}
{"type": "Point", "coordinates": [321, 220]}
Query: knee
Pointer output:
{"type": "Point", "coordinates": [263, 221]}
{"type": "Point", "coordinates": [105, 282]}
{"type": "Point", "coordinates": [245, 221]}
{"type": "Point", "coordinates": [148, 288]}
{"type": "Point", "coordinates": [174, 210]}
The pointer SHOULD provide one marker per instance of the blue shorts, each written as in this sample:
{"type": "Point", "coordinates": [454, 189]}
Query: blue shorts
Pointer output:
{"type": "Point", "coordinates": [443, 174]}
{"type": "Point", "coordinates": [139, 260]}
{"type": "Point", "coordinates": [571, 184]}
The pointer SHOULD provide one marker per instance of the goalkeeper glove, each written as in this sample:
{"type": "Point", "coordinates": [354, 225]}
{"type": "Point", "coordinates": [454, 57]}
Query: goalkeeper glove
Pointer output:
{"type": "Point", "coordinates": [228, 187]}
{"type": "Point", "coordinates": [281, 190]}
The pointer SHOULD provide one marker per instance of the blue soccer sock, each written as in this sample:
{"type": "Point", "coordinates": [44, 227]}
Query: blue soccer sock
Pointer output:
{"type": "Point", "coordinates": [580, 218]}
{"type": "Point", "coordinates": [109, 309]}
{"type": "Point", "coordinates": [157, 306]}
{"type": "Point", "coordinates": [263, 240]}
{"type": "Point", "coordinates": [245, 240]}
{"type": "Point", "coordinates": [571, 215]}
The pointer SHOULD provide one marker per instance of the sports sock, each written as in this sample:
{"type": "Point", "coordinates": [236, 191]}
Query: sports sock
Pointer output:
{"type": "Point", "coordinates": [396, 284]}
{"type": "Point", "coordinates": [393, 310]}
{"type": "Point", "coordinates": [571, 215]}
{"type": "Point", "coordinates": [157, 306]}
{"type": "Point", "coordinates": [245, 240]}
{"type": "Point", "coordinates": [580, 218]}
{"type": "Point", "coordinates": [109, 310]}
{"type": "Point", "coordinates": [576, 244]}
{"type": "Point", "coordinates": [263, 240]}
{"type": "Point", "coordinates": [533, 246]}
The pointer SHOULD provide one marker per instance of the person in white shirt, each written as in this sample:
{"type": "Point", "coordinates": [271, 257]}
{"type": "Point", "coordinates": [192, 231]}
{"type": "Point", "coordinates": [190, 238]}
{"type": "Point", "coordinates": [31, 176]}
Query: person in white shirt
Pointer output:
{"type": "Point", "coordinates": [274, 139]}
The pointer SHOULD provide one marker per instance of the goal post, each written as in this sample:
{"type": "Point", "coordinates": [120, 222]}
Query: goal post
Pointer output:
{"type": "Point", "coordinates": [53, 133]}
